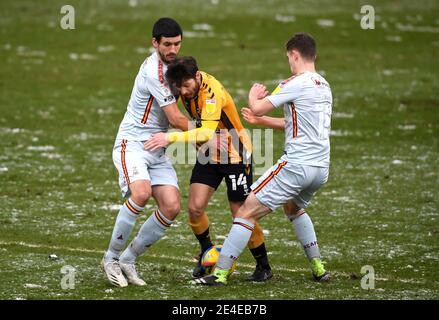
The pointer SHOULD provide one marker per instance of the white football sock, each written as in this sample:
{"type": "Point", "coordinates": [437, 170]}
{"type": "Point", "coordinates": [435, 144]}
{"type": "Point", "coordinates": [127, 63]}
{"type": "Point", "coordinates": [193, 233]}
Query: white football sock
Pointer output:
{"type": "Point", "coordinates": [306, 235]}
{"type": "Point", "coordinates": [125, 221]}
{"type": "Point", "coordinates": [235, 243]}
{"type": "Point", "coordinates": [151, 231]}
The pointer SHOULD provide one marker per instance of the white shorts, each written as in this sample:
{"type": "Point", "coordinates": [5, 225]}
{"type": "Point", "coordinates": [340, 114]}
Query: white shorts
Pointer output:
{"type": "Point", "coordinates": [287, 181]}
{"type": "Point", "coordinates": [135, 163]}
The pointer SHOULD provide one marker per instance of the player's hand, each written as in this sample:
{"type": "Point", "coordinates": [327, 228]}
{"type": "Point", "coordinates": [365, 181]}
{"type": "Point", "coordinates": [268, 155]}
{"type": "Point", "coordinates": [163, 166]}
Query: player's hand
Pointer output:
{"type": "Point", "coordinates": [258, 91]}
{"type": "Point", "coordinates": [249, 116]}
{"type": "Point", "coordinates": [157, 141]}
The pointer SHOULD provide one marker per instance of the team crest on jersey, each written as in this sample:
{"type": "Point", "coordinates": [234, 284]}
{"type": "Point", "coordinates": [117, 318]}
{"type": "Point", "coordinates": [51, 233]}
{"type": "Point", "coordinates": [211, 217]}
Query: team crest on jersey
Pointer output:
{"type": "Point", "coordinates": [210, 106]}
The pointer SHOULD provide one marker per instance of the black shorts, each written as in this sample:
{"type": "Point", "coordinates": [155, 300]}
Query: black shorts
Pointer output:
{"type": "Point", "coordinates": [239, 178]}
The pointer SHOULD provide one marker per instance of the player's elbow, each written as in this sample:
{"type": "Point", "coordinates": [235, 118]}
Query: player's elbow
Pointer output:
{"type": "Point", "coordinates": [258, 110]}
{"type": "Point", "coordinates": [258, 113]}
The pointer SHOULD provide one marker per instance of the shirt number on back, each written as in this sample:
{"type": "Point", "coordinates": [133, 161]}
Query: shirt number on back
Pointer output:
{"type": "Point", "coordinates": [324, 121]}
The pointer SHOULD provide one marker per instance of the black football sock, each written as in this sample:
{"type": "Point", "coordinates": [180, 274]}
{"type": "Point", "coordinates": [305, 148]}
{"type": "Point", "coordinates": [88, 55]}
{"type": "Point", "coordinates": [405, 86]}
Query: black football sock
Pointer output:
{"type": "Point", "coordinates": [204, 240]}
{"type": "Point", "coordinates": [260, 255]}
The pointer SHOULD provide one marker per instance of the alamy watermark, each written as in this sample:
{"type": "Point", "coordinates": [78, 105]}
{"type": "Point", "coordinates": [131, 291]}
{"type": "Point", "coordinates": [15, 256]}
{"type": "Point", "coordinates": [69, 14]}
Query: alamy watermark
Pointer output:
{"type": "Point", "coordinates": [254, 146]}
{"type": "Point", "coordinates": [368, 18]}
{"type": "Point", "coordinates": [68, 19]}
{"type": "Point", "coordinates": [368, 280]}
{"type": "Point", "coordinates": [68, 280]}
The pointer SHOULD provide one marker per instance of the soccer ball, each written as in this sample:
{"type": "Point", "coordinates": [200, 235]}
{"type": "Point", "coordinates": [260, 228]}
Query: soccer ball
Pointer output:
{"type": "Point", "coordinates": [210, 258]}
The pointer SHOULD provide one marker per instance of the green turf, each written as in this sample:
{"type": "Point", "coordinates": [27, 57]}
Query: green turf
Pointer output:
{"type": "Point", "coordinates": [64, 93]}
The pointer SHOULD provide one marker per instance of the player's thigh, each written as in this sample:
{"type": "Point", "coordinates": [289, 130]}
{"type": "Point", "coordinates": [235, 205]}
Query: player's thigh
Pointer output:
{"type": "Point", "coordinates": [129, 162]}
{"type": "Point", "coordinates": [252, 209]}
{"type": "Point", "coordinates": [165, 190]}
{"type": "Point", "coordinates": [199, 196]}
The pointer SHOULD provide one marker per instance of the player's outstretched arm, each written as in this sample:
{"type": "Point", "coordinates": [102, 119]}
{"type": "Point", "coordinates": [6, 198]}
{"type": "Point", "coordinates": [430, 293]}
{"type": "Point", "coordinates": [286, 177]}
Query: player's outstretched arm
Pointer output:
{"type": "Point", "coordinates": [163, 139]}
{"type": "Point", "coordinates": [270, 122]}
{"type": "Point", "coordinates": [202, 134]}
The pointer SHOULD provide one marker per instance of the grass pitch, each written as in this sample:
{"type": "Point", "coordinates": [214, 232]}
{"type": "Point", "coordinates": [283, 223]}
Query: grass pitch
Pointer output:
{"type": "Point", "coordinates": [64, 93]}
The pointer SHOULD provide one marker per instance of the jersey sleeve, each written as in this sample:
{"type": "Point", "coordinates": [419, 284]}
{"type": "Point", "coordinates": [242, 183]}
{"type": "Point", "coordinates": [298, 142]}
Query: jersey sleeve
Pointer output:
{"type": "Point", "coordinates": [202, 134]}
{"type": "Point", "coordinates": [284, 94]}
{"type": "Point", "coordinates": [160, 91]}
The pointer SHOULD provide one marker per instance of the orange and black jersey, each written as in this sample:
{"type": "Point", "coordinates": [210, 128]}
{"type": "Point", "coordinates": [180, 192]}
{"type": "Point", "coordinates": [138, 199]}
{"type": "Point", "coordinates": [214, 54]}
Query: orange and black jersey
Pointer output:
{"type": "Point", "coordinates": [214, 103]}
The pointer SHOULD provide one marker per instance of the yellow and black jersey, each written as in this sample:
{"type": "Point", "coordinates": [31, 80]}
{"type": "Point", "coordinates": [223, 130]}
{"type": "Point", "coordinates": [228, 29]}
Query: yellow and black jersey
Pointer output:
{"type": "Point", "coordinates": [214, 103]}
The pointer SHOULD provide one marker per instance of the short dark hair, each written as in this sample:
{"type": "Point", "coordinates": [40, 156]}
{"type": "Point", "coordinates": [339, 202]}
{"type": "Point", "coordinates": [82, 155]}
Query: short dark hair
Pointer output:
{"type": "Point", "coordinates": [303, 43]}
{"type": "Point", "coordinates": [181, 70]}
{"type": "Point", "coordinates": [166, 27]}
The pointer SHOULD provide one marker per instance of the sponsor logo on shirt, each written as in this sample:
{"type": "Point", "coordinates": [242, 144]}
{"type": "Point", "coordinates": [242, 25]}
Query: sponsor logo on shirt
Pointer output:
{"type": "Point", "coordinates": [317, 82]}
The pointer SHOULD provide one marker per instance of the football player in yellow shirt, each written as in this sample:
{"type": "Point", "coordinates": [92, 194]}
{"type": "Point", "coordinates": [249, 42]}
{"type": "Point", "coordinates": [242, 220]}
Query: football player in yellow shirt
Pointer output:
{"type": "Point", "coordinates": [213, 110]}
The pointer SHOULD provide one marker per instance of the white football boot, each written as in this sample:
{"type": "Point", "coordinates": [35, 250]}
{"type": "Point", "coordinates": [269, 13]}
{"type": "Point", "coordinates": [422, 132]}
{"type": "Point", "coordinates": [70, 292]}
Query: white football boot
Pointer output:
{"type": "Point", "coordinates": [129, 269]}
{"type": "Point", "coordinates": [114, 273]}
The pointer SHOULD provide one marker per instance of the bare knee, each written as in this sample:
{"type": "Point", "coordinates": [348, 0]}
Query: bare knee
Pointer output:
{"type": "Point", "coordinates": [170, 209]}
{"type": "Point", "coordinates": [141, 197]}
{"type": "Point", "coordinates": [195, 210]}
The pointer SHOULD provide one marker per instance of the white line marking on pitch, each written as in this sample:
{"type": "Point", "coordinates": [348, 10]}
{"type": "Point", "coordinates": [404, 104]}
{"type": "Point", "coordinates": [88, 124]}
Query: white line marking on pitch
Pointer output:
{"type": "Point", "coordinates": [241, 265]}
{"type": "Point", "coordinates": [162, 256]}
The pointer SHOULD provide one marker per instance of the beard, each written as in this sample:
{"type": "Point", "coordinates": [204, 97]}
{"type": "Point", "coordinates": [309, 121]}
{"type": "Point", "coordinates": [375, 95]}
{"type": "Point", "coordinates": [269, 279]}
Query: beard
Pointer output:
{"type": "Point", "coordinates": [194, 94]}
{"type": "Point", "coordinates": [167, 59]}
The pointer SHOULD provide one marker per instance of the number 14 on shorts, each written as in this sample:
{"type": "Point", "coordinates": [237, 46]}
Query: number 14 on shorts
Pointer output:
{"type": "Point", "coordinates": [241, 181]}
